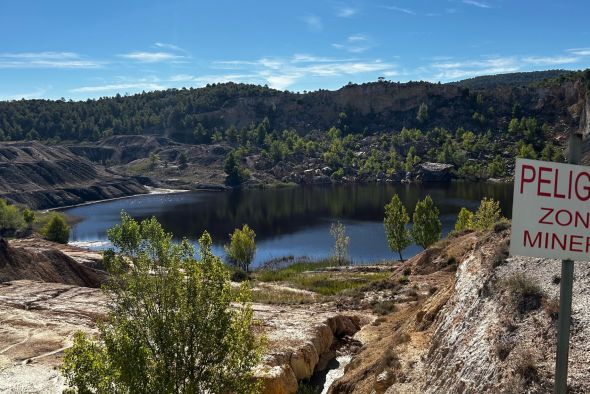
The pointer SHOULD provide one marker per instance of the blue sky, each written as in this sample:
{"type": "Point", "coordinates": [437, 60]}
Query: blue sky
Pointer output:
{"type": "Point", "coordinates": [86, 49]}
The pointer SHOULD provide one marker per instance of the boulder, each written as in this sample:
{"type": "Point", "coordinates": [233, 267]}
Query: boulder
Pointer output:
{"type": "Point", "coordinates": [435, 172]}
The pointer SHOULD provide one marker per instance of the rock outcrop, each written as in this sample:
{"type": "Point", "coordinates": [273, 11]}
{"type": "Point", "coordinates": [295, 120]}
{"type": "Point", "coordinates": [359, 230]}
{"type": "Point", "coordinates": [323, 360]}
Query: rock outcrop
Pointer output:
{"type": "Point", "coordinates": [435, 172]}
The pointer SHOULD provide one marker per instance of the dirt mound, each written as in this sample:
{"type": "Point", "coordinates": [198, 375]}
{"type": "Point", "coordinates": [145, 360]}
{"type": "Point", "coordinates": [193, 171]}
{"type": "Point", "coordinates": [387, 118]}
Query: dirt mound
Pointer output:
{"type": "Point", "coordinates": [46, 265]}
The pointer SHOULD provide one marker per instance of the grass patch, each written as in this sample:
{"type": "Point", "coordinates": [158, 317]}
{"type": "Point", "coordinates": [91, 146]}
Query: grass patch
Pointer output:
{"type": "Point", "coordinates": [287, 273]}
{"type": "Point", "coordinates": [301, 275]}
{"type": "Point", "coordinates": [278, 296]}
{"type": "Point", "coordinates": [331, 284]}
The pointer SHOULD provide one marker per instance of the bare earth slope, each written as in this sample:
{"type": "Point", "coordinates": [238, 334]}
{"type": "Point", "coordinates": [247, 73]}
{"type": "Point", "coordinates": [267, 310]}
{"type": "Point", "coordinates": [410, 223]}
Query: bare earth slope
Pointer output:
{"type": "Point", "coordinates": [42, 176]}
{"type": "Point", "coordinates": [479, 332]}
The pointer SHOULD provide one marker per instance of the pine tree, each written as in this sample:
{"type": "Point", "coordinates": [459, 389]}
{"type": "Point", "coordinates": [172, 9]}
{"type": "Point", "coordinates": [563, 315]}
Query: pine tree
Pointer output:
{"type": "Point", "coordinates": [427, 227]}
{"type": "Point", "coordinates": [395, 222]}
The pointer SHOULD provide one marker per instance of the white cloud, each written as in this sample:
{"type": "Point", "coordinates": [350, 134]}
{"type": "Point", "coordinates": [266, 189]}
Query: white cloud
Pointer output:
{"type": "Point", "coordinates": [346, 12]}
{"type": "Point", "coordinates": [282, 73]}
{"type": "Point", "coordinates": [356, 43]}
{"type": "Point", "coordinates": [580, 51]}
{"type": "Point", "coordinates": [134, 86]}
{"type": "Point", "coordinates": [551, 60]}
{"type": "Point", "coordinates": [476, 3]}
{"type": "Point", "coordinates": [169, 46]}
{"type": "Point", "coordinates": [399, 9]}
{"type": "Point", "coordinates": [314, 23]}
{"type": "Point", "coordinates": [36, 94]}
{"type": "Point", "coordinates": [46, 60]}
{"type": "Point", "coordinates": [151, 57]}
{"type": "Point", "coordinates": [448, 71]}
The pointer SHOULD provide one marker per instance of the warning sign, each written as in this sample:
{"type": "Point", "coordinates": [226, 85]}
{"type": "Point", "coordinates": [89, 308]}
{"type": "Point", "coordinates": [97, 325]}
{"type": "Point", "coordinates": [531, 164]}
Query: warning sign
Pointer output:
{"type": "Point", "coordinates": [551, 210]}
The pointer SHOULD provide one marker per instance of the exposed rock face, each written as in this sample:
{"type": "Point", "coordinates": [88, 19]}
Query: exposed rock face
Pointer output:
{"type": "Point", "coordinates": [435, 172]}
{"type": "Point", "coordinates": [43, 176]}
{"type": "Point", "coordinates": [297, 340]}
{"type": "Point", "coordinates": [41, 260]}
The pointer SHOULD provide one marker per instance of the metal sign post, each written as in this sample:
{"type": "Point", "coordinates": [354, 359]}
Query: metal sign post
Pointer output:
{"type": "Point", "coordinates": [565, 293]}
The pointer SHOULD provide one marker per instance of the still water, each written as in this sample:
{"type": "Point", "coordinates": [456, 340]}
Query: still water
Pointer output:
{"type": "Point", "coordinates": [288, 222]}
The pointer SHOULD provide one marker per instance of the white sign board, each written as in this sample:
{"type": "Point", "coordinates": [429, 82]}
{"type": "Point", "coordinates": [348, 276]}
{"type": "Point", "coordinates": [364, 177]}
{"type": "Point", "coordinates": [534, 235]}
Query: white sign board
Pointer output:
{"type": "Point", "coordinates": [551, 210]}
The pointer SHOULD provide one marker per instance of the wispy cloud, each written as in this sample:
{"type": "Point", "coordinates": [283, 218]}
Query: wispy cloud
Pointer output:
{"type": "Point", "coordinates": [580, 51]}
{"type": "Point", "coordinates": [356, 43]}
{"type": "Point", "coordinates": [551, 60]}
{"type": "Point", "coordinates": [314, 23]}
{"type": "Point", "coordinates": [38, 93]}
{"type": "Point", "coordinates": [445, 71]}
{"type": "Point", "coordinates": [151, 57]}
{"type": "Point", "coordinates": [346, 12]}
{"type": "Point", "coordinates": [282, 73]}
{"type": "Point", "coordinates": [118, 87]}
{"type": "Point", "coordinates": [46, 60]}
{"type": "Point", "coordinates": [399, 9]}
{"type": "Point", "coordinates": [169, 46]}
{"type": "Point", "coordinates": [476, 3]}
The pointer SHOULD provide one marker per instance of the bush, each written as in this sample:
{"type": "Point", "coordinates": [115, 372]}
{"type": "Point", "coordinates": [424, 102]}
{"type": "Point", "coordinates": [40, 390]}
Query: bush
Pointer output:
{"type": "Point", "coordinates": [487, 214]}
{"type": "Point", "coordinates": [10, 217]}
{"type": "Point", "coordinates": [170, 326]}
{"type": "Point", "coordinates": [464, 220]}
{"type": "Point", "coordinates": [29, 217]}
{"type": "Point", "coordinates": [242, 247]}
{"type": "Point", "coordinates": [526, 295]}
{"type": "Point", "coordinates": [57, 229]}
{"type": "Point", "coordinates": [341, 241]}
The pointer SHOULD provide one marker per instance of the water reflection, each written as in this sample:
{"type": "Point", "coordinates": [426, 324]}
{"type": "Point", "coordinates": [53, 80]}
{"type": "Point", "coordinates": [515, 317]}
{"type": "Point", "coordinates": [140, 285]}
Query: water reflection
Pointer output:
{"type": "Point", "coordinates": [292, 221]}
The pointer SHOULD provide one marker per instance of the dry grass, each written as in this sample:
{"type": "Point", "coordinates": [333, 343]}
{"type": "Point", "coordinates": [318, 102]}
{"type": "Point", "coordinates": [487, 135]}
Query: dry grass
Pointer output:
{"type": "Point", "coordinates": [526, 294]}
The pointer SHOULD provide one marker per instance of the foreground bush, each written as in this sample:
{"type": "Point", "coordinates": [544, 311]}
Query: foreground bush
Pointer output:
{"type": "Point", "coordinates": [170, 326]}
{"type": "Point", "coordinates": [57, 229]}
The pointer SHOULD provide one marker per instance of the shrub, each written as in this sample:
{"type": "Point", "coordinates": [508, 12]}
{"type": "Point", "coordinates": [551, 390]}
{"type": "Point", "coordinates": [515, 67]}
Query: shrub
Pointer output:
{"type": "Point", "coordinates": [29, 217]}
{"type": "Point", "coordinates": [10, 217]}
{"type": "Point", "coordinates": [341, 241]}
{"type": "Point", "coordinates": [57, 229]}
{"type": "Point", "coordinates": [526, 295]}
{"type": "Point", "coordinates": [464, 220]}
{"type": "Point", "coordinates": [487, 214]}
{"type": "Point", "coordinates": [525, 365]}
{"type": "Point", "coordinates": [170, 326]}
{"type": "Point", "coordinates": [242, 247]}
{"type": "Point", "coordinates": [383, 307]}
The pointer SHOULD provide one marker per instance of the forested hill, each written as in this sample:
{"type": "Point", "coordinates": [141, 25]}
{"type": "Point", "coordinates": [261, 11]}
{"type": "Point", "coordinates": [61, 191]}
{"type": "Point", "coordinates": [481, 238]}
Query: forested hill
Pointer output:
{"type": "Point", "coordinates": [226, 111]}
{"type": "Point", "coordinates": [514, 79]}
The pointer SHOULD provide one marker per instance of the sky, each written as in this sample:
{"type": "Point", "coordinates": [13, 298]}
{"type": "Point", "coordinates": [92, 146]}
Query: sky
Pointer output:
{"type": "Point", "coordinates": [79, 49]}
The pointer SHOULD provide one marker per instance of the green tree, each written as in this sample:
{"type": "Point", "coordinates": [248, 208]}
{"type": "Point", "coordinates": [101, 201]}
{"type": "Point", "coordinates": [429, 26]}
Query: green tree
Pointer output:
{"type": "Point", "coordinates": [154, 158]}
{"type": "Point", "coordinates": [57, 229]}
{"type": "Point", "coordinates": [236, 175]}
{"type": "Point", "coordinates": [395, 222]}
{"type": "Point", "coordinates": [464, 220]}
{"type": "Point", "coordinates": [341, 241]}
{"type": "Point", "coordinates": [427, 227]}
{"type": "Point", "coordinates": [487, 214]}
{"type": "Point", "coordinates": [182, 161]}
{"type": "Point", "coordinates": [242, 247]}
{"type": "Point", "coordinates": [29, 217]}
{"type": "Point", "coordinates": [171, 326]}
{"type": "Point", "coordinates": [422, 115]}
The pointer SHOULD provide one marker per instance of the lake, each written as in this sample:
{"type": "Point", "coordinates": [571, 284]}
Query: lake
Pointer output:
{"type": "Point", "coordinates": [288, 222]}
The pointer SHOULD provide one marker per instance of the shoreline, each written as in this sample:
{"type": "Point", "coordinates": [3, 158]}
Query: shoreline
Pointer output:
{"type": "Point", "coordinates": [150, 191]}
